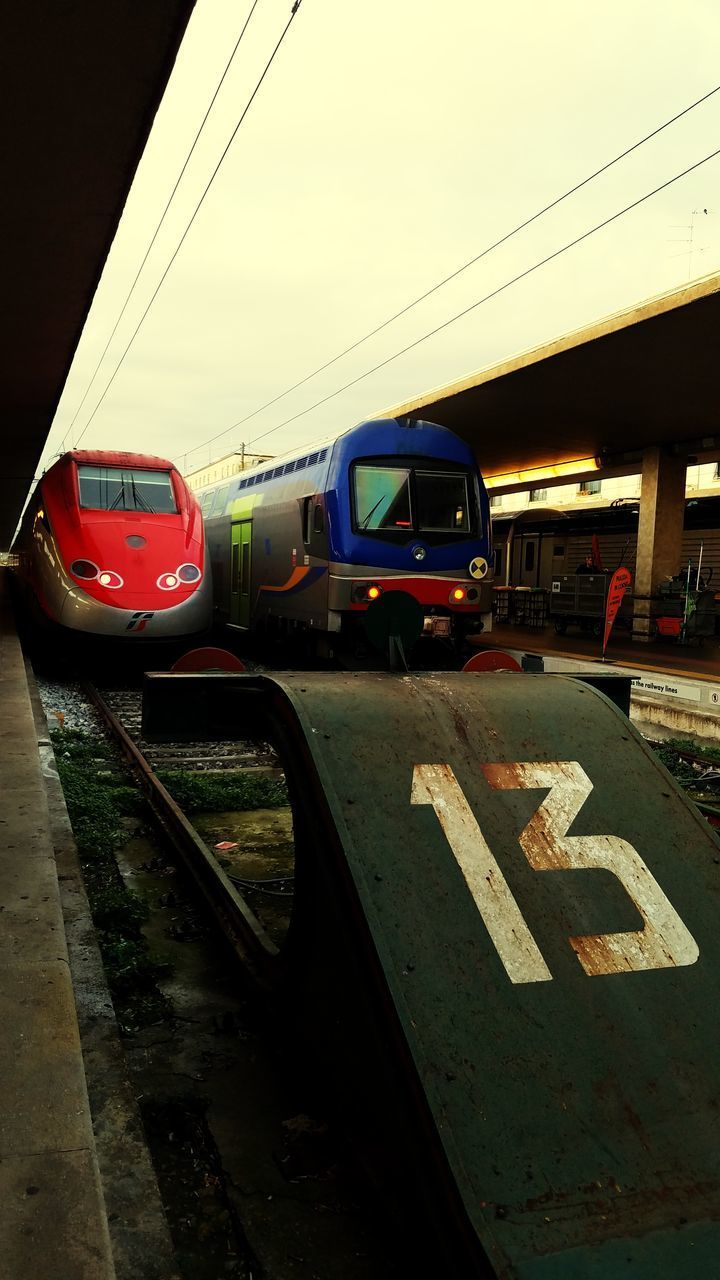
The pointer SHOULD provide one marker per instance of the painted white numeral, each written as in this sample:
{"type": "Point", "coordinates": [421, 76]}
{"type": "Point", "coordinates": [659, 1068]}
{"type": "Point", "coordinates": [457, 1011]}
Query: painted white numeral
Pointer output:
{"type": "Point", "coordinates": [664, 941]}
{"type": "Point", "coordinates": [437, 785]}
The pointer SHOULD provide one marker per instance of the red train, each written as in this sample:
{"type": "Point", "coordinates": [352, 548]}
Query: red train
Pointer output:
{"type": "Point", "coordinates": [112, 544]}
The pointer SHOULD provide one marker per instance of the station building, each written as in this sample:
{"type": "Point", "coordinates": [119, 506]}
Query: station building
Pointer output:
{"type": "Point", "coordinates": [231, 464]}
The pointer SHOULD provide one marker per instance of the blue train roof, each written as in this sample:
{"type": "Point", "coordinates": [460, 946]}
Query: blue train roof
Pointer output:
{"type": "Point", "coordinates": [402, 436]}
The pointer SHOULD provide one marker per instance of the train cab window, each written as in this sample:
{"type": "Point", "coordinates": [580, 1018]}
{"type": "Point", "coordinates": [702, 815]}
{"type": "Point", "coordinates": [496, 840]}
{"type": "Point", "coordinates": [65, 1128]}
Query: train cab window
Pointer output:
{"type": "Point", "coordinates": [126, 489]}
{"type": "Point", "coordinates": [318, 519]}
{"type": "Point", "coordinates": [382, 498]}
{"type": "Point", "coordinates": [442, 502]}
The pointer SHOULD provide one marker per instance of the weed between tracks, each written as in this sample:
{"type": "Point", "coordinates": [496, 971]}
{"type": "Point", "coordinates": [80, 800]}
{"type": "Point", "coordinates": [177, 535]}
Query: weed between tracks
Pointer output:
{"type": "Point", "coordinates": [224, 793]}
{"type": "Point", "coordinates": [683, 769]}
{"type": "Point", "coordinates": [99, 804]}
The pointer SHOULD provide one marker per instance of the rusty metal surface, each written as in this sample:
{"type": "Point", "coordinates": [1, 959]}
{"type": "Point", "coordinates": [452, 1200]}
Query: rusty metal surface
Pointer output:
{"type": "Point", "coordinates": [542, 902]}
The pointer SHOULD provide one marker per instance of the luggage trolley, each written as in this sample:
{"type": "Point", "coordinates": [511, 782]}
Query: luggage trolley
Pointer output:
{"type": "Point", "coordinates": [579, 599]}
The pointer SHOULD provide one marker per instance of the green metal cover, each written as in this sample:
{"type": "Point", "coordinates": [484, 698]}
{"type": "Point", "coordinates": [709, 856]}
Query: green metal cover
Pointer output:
{"type": "Point", "coordinates": [542, 900]}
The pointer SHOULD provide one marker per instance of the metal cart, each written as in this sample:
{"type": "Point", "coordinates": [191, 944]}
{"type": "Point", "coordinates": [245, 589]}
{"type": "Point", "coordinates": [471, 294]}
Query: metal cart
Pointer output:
{"type": "Point", "coordinates": [531, 607]}
{"type": "Point", "coordinates": [685, 616]}
{"type": "Point", "coordinates": [579, 599]}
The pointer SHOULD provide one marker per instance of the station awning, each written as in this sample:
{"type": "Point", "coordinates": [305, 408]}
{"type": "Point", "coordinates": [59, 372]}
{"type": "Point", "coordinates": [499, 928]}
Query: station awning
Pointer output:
{"type": "Point", "coordinates": [81, 84]}
{"type": "Point", "coordinates": [646, 376]}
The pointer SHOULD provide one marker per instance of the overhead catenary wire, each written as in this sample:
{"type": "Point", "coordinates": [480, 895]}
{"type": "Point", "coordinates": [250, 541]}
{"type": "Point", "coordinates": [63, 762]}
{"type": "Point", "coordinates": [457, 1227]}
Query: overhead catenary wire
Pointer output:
{"type": "Point", "coordinates": [198, 206]}
{"type": "Point", "coordinates": [606, 222]}
{"type": "Point", "coordinates": [522, 226]}
{"type": "Point", "coordinates": [163, 216]}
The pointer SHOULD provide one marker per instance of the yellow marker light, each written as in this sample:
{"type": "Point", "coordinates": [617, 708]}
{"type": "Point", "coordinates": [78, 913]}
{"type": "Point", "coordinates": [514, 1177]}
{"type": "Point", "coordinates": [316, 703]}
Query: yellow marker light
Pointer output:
{"type": "Point", "coordinates": [458, 593]}
{"type": "Point", "coordinates": [373, 593]}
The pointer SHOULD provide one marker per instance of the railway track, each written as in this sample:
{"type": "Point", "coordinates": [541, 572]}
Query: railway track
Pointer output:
{"type": "Point", "coordinates": [230, 898]}
{"type": "Point", "coordinates": [194, 757]}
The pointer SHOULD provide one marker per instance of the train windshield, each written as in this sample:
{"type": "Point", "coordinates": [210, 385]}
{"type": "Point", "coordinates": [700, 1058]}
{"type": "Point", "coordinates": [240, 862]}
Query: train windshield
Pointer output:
{"type": "Point", "coordinates": [382, 498]}
{"type": "Point", "coordinates": [442, 502]}
{"type": "Point", "coordinates": [400, 498]}
{"type": "Point", "coordinates": [125, 489]}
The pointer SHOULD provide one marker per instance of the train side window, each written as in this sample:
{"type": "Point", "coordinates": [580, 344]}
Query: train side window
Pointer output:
{"type": "Point", "coordinates": [221, 497]}
{"type": "Point", "coordinates": [497, 554]}
{"type": "Point", "coordinates": [529, 556]}
{"type": "Point", "coordinates": [234, 568]}
{"type": "Point", "coordinates": [307, 518]}
{"type": "Point", "coordinates": [245, 579]}
{"type": "Point", "coordinates": [318, 519]}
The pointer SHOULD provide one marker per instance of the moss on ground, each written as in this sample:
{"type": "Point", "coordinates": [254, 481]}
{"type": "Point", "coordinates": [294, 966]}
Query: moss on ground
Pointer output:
{"type": "Point", "coordinates": [680, 769]}
{"type": "Point", "coordinates": [224, 792]}
{"type": "Point", "coordinates": [98, 799]}
{"type": "Point", "coordinates": [705, 752]}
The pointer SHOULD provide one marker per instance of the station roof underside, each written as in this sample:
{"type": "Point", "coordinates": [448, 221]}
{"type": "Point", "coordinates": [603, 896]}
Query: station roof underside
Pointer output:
{"type": "Point", "coordinates": [646, 376]}
{"type": "Point", "coordinates": [81, 83]}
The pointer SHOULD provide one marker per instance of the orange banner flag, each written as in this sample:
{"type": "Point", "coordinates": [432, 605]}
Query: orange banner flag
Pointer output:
{"type": "Point", "coordinates": [619, 583]}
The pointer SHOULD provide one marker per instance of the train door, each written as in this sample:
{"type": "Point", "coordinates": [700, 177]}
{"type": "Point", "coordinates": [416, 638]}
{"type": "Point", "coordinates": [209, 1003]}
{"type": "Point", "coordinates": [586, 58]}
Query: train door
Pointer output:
{"type": "Point", "coordinates": [529, 560]}
{"type": "Point", "coordinates": [240, 566]}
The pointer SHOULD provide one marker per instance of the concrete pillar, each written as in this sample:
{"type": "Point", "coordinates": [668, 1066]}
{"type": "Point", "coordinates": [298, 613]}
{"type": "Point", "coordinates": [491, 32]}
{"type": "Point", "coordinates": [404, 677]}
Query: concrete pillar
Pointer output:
{"type": "Point", "coordinates": [660, 529]}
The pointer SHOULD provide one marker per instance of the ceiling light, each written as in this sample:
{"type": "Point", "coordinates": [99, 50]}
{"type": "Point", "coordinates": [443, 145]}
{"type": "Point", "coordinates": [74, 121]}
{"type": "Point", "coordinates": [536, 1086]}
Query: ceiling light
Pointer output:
{"type": "Point", "coordinates": [551, 470]}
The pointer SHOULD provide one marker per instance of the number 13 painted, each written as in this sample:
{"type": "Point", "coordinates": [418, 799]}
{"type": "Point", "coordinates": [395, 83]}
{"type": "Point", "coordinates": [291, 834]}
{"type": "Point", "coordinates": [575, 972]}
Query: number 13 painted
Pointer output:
{"type": "Point", "coordinates": [663, 942]}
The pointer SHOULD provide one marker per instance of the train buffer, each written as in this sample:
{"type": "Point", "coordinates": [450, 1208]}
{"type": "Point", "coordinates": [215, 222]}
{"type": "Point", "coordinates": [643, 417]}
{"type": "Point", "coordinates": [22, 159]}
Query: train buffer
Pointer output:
{"type": "Point", "coordinates": [505, 933]}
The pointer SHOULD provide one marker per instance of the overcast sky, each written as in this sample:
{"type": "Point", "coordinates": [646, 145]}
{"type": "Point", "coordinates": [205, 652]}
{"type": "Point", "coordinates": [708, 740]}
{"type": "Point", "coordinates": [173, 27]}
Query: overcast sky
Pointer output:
{"type": "Point", "coordinates": [391, 141]}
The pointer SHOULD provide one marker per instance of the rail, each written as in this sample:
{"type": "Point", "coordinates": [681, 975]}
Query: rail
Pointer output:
{"type": "Point", "coordinates": [238, 923]}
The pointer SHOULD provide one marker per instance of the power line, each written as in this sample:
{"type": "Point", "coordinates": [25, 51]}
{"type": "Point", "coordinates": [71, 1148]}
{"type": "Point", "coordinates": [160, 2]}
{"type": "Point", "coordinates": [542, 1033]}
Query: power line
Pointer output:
{"type": "Point", "coordinates": [454, 274]}
{"type": "Point", "coordinates": [163, 216]}
{"type": "Point", "coordinates": [521, 276]}
{"type": "Point", "coordinates": [231, 139]}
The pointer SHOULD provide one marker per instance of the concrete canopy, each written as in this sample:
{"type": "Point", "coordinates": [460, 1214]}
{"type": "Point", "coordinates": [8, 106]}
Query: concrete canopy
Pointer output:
{"type": "Point", "coordinates": [81, 83]}
{"type": "Point", "coordinates": [646, 376]}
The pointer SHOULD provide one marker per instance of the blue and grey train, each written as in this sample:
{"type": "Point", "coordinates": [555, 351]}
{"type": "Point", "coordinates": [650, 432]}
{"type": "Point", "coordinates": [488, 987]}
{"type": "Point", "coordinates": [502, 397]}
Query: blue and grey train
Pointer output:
{"type": "Point", "coordinates": [313, 541]}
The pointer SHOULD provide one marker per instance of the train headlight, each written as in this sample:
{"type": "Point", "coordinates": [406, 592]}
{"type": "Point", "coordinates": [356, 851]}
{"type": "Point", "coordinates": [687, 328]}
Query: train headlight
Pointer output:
{"type": "Point", "coordinates": [457, 595]}
{"type": "Point", "coordinates": [84, 569]}
{"type": "Point", "coordinates": [365, 592]}
{"type": "Point", "coordinates": [419, 553]}
{"type": "Point", "coordinates": [189, 573]}
{"type": "Point", "coordinates": [108, 578]}
{"type": "Point", "coordinates": [168, 581]}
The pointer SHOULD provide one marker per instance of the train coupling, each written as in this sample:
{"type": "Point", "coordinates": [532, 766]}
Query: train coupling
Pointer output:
{"type": "Point", "coordinates": [437, 626]}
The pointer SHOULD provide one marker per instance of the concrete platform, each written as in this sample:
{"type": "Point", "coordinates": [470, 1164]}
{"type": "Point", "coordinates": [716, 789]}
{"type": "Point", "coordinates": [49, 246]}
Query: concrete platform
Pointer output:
{"type": "Point", "coordinates": [675, 690]}
{"type": "Point", "coordinates": [53, 1222]}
